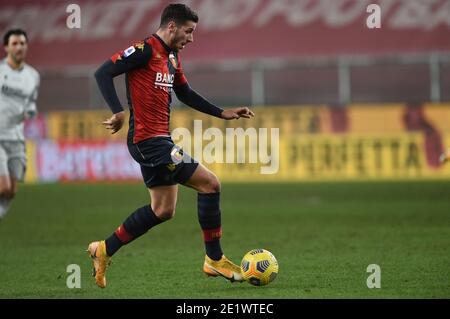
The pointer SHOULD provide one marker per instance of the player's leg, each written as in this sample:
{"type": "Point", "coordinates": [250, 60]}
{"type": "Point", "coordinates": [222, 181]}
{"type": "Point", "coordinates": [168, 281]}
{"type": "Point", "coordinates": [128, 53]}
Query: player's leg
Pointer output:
{"type": "Point", "coordinates": [11, 171]}
{"type": "Point", "coordinates": [162, 207]}
{"type": "Point", "coordinates": [5, 185]}
{"type": "Point", "coordinates": [5, 194]}
{"type": "Point", "coordinates": [208, 204]}
{"type": "Point", "coordinates": [208, 187]}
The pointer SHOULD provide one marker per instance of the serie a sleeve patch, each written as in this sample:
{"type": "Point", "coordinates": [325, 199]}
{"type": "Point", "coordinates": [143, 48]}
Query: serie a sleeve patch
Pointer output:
{"type": "Point", "coordinates": [129, 51]}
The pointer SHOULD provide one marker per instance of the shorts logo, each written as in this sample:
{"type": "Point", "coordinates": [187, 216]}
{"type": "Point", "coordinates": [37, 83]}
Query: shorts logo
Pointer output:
{"type": "Point", "coordinates": [176, 154]}
{"type": "Point", "coordinates": [171, 167]}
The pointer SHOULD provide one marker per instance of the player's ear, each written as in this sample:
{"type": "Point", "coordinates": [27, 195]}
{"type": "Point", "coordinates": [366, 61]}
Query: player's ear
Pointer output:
{"type": "Point", "coordinates": [172, 26]}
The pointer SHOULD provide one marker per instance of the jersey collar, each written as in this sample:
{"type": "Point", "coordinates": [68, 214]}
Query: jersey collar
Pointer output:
{"type": "Point", "coordinates": [5, 60]}
{"type": "Point", "coordinates": [168, 49]}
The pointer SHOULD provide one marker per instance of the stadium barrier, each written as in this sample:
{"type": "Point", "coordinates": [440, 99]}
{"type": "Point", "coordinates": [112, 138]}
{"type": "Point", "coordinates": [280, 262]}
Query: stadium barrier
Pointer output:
{"type": "Point", "coordinates": [303, 158]}
{"type": "Point", "coordinates": [315, 143]}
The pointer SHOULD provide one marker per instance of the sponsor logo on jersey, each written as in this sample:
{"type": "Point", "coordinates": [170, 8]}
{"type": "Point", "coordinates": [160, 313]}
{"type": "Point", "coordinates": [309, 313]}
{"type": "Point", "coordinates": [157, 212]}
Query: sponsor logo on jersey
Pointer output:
{"type": "Point", "coordinates": [164, 81]}
{"type": "Point", "coordinates": [13, 92]}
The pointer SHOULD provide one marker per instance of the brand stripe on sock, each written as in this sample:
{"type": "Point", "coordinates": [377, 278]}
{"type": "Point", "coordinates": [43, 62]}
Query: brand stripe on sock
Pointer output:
{"type": "Point", "coordinates": [123, 235]}
{"type": "Point", "coordinates": [212, 234]}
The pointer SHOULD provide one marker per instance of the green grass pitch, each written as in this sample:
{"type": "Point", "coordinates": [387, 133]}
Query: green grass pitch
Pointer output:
{"type": "Point", "coordinates": [324, 236]}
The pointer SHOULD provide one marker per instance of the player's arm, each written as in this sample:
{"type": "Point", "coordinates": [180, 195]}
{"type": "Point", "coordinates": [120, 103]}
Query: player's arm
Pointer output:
{"type": "Point", "coordinates": [31, 109]}
{"type": "Point", "coordinates": [135, 57]}
{"type": "Point", "coordinates": [191, 98]}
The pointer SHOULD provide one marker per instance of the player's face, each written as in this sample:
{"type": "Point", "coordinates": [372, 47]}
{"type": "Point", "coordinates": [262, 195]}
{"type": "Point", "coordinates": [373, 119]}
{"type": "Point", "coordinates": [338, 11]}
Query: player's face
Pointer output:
{"type": "Point", "coordinates": [17, 48]}
{"type": "Point", "coordinates": [182, 35]}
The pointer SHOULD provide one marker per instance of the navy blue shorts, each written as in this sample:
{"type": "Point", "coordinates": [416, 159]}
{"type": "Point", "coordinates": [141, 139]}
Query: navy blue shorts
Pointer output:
{"type": "Point", "coordinates": [162, 162]}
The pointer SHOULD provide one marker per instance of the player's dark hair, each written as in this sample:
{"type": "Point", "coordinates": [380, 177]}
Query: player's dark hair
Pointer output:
{"type": "Point", "coordinates": [13, 32]}
{"type": "Point", "coordinates": [178, 12]}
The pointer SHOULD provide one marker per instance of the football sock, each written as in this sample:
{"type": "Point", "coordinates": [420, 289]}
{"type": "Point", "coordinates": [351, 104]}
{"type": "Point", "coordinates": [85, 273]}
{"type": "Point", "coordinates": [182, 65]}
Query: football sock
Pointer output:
{"type": "Point", "coordinates": [4, 206]}
{"type": "Point", "coordinates": [210, 222]}
{"type": "Point", "coordinates": [137, 224]}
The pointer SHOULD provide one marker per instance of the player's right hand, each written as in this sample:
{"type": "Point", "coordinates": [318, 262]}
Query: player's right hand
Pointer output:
{"type": "Point", "coordinates": [115, 123]}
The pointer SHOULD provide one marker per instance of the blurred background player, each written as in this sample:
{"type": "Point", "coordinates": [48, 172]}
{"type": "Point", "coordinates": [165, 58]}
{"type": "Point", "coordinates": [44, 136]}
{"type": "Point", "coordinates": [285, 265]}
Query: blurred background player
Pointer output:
{"type": "Point", "coordinates": [153, 70]}
{"type": "Point", "coordinates": [19, 85]}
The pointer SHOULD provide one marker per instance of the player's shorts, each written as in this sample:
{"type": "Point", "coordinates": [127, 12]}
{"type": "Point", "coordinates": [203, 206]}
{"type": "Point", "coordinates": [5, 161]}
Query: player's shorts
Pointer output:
{"type": "Point", "coordinates": [162, 162]}
{"type": "Point", "coordinates": [12, 159]}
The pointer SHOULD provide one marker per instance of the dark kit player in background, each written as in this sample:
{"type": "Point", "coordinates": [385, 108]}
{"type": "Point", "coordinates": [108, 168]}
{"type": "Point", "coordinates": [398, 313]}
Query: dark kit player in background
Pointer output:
{"type": "Point", "coordinates": [153, 69]}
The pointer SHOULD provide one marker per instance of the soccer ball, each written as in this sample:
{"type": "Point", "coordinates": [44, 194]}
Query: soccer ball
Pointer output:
{"type": "Point", "coordinates": [259, 267]}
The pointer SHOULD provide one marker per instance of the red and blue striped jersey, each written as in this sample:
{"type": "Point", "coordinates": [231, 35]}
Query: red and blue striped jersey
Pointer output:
{"type": "Point", "coordinates": [152, 70]}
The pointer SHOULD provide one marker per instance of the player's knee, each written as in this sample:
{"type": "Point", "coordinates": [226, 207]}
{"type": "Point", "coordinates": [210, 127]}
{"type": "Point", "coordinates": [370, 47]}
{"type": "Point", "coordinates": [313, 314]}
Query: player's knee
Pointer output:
{"type": "Point", "coordinates": [211, 186]}
{"type": "Point", "coordinates": [11, 194]}
{"type": "Point", "coordinates": [164, 213]}
{"type": "Point", "coordinates": [7, 192]}
{"type": "Point", "coordinates": [215, 185]}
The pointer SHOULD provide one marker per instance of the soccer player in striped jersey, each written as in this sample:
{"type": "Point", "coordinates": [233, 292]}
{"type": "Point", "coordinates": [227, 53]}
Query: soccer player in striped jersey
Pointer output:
{"type": "Point", "coordinates": [153, 70]}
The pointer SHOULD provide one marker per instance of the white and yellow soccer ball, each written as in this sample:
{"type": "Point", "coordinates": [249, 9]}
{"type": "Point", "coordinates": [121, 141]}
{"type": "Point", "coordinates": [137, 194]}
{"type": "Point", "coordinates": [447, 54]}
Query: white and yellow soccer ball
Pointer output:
{"type": "Point", "coordinates": [259, 267]}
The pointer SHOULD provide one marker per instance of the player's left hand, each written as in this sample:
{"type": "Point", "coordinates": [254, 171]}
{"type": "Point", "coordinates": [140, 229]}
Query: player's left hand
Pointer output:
{"type": "Point", "coordinates": [236, 113]}
{"type": "Point", "coordinates": [115, 123]}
